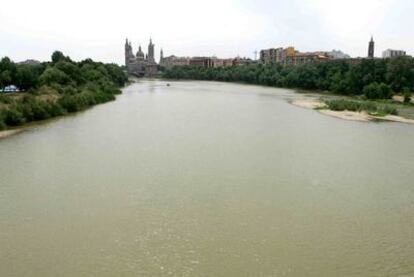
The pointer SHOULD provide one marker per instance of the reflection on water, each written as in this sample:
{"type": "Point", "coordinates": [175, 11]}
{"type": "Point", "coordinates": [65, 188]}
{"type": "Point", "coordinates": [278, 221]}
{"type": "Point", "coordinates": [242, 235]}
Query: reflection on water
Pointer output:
{"type": "Point", "coordinates": [207, 179]}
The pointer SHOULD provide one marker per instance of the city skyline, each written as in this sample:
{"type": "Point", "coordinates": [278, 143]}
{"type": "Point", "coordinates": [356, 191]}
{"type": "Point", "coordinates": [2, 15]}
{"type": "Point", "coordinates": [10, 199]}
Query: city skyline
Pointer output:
{"type": "Point", "coordinates": [181, 29]}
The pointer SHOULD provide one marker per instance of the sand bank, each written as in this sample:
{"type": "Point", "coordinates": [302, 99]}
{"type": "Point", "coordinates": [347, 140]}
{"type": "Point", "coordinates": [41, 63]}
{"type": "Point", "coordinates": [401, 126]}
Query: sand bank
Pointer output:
{"type": "Point", "coordinates": [347, 115]}
{"type": "Point", "coordinates": [311, 103]}
{"type": "Point", "coordinates": [399, 98]}
{"type": "Point", "coordinates": [7, 133]}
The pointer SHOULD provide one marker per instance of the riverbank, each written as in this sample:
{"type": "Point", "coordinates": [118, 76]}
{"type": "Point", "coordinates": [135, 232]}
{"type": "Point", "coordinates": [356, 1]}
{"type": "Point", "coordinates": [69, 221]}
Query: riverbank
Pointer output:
{"type": "Point", "coordinates": [322, 107]}
{"type": "Point", "coordinates": [56, 88]}
{"type": "Point", "coordinates": [8, 133]}
{"type": "Point", "coordinates": [35, 123]}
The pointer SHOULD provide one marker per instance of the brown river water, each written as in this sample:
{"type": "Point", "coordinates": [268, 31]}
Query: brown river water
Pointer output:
{"type": "Point", "coordinates": [207, 179]}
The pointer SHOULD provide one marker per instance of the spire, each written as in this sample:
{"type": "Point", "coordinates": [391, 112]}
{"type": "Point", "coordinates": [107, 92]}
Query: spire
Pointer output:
{"type": "Point", "coordinates": [371, 48]}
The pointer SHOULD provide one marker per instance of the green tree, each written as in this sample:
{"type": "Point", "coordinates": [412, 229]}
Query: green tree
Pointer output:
{"type": "Point", "coordinates": [54, 76]}
{"type": "Point", "coordinates": [58, 56]}
{"type": "Point", "coordinates": [400, 73]}
{"type": "Point", "coordinates": [5, 78]}
{"type": "Point", "coordinates": [27, 77]}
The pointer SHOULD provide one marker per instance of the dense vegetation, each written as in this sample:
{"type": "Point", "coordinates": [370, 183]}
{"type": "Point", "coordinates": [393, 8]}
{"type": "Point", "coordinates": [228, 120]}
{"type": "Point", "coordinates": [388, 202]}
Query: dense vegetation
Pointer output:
{"type": "Point", "coordinates": [376, 78]}
{"type": "Point", "coordinates": [359, 106]}
{"type": "Point", "coordinates": [55, 88]}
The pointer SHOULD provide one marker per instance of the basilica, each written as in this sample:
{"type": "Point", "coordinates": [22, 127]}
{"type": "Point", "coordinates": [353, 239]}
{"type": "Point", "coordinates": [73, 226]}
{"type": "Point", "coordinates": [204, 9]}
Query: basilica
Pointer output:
{"type": "Point", "coordinates": [140, 65]}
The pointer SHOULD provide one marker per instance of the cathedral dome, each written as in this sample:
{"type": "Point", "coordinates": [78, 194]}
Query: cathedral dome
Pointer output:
{"type": "Point", "coordinates": [140, 53]}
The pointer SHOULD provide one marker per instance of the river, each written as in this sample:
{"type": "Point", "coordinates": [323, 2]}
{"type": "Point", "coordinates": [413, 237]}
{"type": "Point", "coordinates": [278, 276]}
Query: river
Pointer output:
{"type": "Point", "coordinates": [207, 179]}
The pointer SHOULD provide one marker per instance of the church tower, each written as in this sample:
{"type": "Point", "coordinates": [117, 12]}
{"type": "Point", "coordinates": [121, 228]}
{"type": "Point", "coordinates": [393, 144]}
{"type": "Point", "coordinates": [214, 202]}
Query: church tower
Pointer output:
{"type": "Point", "coordinates": [151, 58]}
{"type": "Point", "coordinates": [128, 52]}
{"type": "Point", "coordinates": [161, 56]}
{"type": "Point", "coordinates": [371, 48]}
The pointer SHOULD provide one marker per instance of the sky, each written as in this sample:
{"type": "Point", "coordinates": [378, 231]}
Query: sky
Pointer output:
{"type": "Point", "coordinates": [224, 28]}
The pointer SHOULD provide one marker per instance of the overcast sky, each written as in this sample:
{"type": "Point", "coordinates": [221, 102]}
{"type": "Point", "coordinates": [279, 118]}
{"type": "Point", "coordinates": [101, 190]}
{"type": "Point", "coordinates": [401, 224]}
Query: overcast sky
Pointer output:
{"type": "Point", "coordinates": [225, 28]}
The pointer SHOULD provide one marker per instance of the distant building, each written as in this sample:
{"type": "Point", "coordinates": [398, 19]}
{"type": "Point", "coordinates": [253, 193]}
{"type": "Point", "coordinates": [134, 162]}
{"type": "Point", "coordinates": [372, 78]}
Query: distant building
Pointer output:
{"type": "Point", "coordinates": [30, 62]}
{"type": "Point", "coordinates": [303, 58]}
{"type": "Point", "coordinates": [205, 62]}
{"type": "Point", "coordinates": [371, 48]}
{"type": "Point", "coordinates": [243, 61]}
{"type": "Point", "coordinates": [276, 55]}
{"type": "Point", "coordinates": [289, 56]}
{"type": "Point", "coordinates": [338, 55]}
{"type": "Point", "coordinates": [174, 61]}
{"type": "Point", "coordinates": [389, 53]}
{"type": "Point", "coordinates": [268, 55]}
{"type": "Point", "coordinates": [223, 62]}
{"type": "Point", "coordinates": [140, 65]}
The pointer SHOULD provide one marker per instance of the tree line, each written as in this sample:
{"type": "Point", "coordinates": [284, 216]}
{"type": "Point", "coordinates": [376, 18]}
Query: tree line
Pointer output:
{"type": "Point", "coordinates": [374, 78]}
{"type": "Point", "coordinates": [55, 88]}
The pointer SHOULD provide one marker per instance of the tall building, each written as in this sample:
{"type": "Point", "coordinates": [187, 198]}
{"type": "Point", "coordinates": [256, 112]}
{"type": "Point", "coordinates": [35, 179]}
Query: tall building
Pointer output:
{"type": "Point", "coordinates": [389, 53]}
{"type": "Point", "coordinates": [289, 56]}
{"type": "Point", "coordinates": [371, 49]}
{"type": "Point", "coordinates": [140, 64]}
{"type": "Point", "coordinates": [267, 55]}
{"type": "Point", "coordinates": [276, 55]}
{"type": "Point", "coordinates": [129, 56]}
{"type": "Point", "coordinates": [151, 46]}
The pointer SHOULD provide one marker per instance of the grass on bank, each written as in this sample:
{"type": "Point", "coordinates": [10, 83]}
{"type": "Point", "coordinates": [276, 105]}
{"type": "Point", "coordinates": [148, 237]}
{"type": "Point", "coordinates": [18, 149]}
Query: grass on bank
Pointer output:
{"type": "Point", "coordinates": [372, 108]}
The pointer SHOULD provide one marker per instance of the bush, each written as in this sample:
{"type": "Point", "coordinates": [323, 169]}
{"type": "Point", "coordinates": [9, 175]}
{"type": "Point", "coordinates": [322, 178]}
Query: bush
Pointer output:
{"type": "Point", "coordinates": [14, 117]}
{"type": "Point", "coordinates": [407, 95]}
{"type": "Point", "coordinates": [2, 125]}
{"type": "Point", "coordinates": [69, 103]}
{"type": "Point", "coordinates": [377, 91]}
{"type": "Point", "coordinates": [5, 99]}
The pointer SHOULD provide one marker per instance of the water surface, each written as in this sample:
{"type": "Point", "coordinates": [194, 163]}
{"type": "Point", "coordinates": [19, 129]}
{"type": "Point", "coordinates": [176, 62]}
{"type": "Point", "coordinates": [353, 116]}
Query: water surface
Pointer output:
{"type": "Point", "coordinates": [207, 179]}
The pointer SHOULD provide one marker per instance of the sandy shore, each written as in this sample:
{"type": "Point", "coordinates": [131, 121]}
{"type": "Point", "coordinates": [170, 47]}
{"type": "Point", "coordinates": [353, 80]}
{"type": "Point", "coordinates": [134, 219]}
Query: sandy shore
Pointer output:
{"type": "Point", "coordinates": [400, 98]}
{"type": "Point", "coordinates": [309, 103]}
{"type": "Point", "coordinates": [7, 133]}
{"type": "Point", "coordinates": [347, 115]}
{"type": "Point", "coordinates": [396, 119]}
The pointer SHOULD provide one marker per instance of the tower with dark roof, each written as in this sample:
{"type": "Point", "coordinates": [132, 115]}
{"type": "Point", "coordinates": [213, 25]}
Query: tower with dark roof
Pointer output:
{"type": "Point", "coordinates": [371, 48]}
